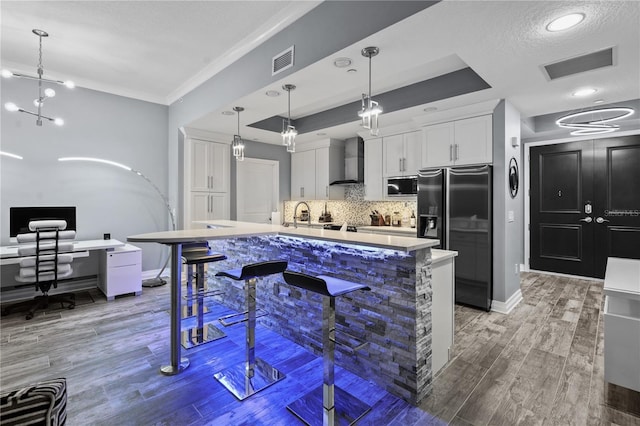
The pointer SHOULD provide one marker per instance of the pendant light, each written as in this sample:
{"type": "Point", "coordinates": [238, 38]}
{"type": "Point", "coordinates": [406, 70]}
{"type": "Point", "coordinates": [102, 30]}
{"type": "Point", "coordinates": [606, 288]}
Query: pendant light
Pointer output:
{"type": "Point", "coordinates": [370, 108]}
{"type": "Point", "coordinates": [289, 132]}
{"type": "Point", "coordinates": [42, 94]}
{"type": "Point", "coordinates": [237, 145]}
{"type": "Point", "coordinates": [595, 121]}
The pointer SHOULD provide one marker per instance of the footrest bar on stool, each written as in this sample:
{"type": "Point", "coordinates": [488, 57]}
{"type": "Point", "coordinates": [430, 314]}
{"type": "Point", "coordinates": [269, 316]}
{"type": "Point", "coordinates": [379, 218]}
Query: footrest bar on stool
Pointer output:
{"type": "Point", "coordinates": [204, 294]}
{"type": "Point", "coordinates": [309, 408]}
{"type": "Point", "coordinates": [223, 320]}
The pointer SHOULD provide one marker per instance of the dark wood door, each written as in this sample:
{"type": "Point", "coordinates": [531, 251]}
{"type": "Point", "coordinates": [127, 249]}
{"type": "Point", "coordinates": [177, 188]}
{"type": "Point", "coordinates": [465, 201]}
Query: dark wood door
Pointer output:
{"type": "Point", "coordinates": [561, 190]}
{"type": "Point", "coordinates": [585, 205]}
{"type": "Point", "coordinates": [617, 200]}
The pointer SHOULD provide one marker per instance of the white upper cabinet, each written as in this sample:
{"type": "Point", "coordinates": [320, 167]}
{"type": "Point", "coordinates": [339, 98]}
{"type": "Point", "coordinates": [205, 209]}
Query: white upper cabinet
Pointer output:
{"type": "Point", "coordinates": [209, 166]}
{"type": "Point", "coordinates": [373, 189]}
{"type": "Point", "coordinates": [438, 145]}
{"type": "Point", "coordinates": [313, 170]}
{"type": "Point", "coordinates": [329, 168]}
{"type": "Point", "coordinates": [401, 154]}
{"type": "Point", "coordinates": [303, 175]}
{"type": "Point", "coordinates": [206, 179]}
{"type": "Point", "coordinates": [458, 143]}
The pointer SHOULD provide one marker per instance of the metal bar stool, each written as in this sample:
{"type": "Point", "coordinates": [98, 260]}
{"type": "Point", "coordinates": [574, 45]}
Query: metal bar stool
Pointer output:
{"type": "Point", "coordinates": [253, 374]}
{"type": "Point", "coordinates": [195, 256]}
{"type": "Point", "coordinates": [338, 406]}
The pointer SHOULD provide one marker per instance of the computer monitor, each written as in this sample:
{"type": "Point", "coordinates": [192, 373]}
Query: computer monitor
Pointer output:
{"type": "Point", "coordinates": [19, 217]}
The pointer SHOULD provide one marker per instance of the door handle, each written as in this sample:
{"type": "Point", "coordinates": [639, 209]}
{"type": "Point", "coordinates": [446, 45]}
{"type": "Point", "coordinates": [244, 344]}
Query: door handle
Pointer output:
{"type": "Point", "coordinates": [457, 152]}
{"type": "Point", "coordinates": [326, 191]}
{"type": "Point", "coordinates": [587, 219]}
{"type": "Point", "coordinates": [601, 220]}
{"type": "Point", "coordinates": [399, 164]}
{"type": "Point", "coordinates": [450, 152]}
{"type": "Point", "coordinates": [302, 191]}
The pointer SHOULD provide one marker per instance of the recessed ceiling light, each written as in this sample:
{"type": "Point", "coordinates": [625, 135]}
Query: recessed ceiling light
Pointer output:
{"type": "Point", "coordinates": [430, 109]}
{"type": "Point", "coordinates": [584, 92]}
{"type": "Point", "coordinates": [272, 93]}
{"type": "Point", "coordinates": [598, 101]}
{"type": "Point", "coordinates": [352, 70]}
{"type": "Point", "coordinates": [228, 113]}
{"type": "Point", "coordinates": [565, 22]}
{"type": "Point", "coordinates": [342, 62]}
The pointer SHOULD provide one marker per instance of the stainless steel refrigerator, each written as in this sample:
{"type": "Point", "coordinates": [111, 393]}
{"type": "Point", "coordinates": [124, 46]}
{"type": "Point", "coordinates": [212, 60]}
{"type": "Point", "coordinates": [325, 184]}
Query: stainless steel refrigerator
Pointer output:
{"type": "Point", "coordinates": [455, 207]}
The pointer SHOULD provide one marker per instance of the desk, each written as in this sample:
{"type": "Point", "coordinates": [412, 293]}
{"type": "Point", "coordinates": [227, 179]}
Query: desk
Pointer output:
{"type": "Point", "coordinates": [9, 254]}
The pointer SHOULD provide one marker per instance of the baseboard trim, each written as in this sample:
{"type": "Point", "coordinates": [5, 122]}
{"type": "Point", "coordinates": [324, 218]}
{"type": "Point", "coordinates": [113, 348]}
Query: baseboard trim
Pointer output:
{"type": "Point", "coordinates": [507, 307]}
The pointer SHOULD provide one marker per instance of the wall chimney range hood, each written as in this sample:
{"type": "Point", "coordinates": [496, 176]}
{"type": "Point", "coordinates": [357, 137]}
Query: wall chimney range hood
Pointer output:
{"type": "Point", "coordinates": [353, 162]}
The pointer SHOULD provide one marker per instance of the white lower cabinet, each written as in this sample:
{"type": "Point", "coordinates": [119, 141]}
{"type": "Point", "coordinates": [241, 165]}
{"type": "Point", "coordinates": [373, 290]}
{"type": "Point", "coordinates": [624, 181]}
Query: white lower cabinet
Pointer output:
{"type": "Point", "coordinates": [442, 308]}
{"type": "Point", "coordinates": [208, 206]}
{"type": "Point", "coordinates": [120, 271]}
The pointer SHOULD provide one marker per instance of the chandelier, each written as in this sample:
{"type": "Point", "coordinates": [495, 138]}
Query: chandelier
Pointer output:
{"type": "Point", "coordinates": [42, 94]}
{"type": "Point", "coordinates": [237, 146]}
{"type": "Point", "coordinates": [289, 132]}
{"type": "Point", "coordinates": [370, 108]}
{"type": "Point", "coordinates": [594, 122]}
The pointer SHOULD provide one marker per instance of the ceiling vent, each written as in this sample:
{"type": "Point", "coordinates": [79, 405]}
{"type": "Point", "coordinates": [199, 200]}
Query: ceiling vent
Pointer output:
{"type": "Point", "coordinates": [588, 62]}
{"type": "Point", "coordinates": [282, 61]}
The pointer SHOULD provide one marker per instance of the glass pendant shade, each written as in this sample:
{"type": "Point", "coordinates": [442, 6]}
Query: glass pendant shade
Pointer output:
{"type": "Point", "coordinates": [371, 109]}
{"type": "Point", "coordinates": [289, 132]}
{"type": "Point", "coordinates": [237, 146]}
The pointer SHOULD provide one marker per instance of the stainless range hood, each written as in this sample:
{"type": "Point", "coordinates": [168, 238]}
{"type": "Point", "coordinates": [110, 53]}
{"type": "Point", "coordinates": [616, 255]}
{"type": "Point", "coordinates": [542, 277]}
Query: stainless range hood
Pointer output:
{"type": "Point", "coordinates": [353, 162]}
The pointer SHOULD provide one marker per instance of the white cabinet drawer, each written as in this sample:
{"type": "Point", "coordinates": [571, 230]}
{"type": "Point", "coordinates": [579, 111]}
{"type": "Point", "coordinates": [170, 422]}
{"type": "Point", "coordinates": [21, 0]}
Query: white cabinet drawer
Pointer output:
{"type": "Point", "coordinates": [118, 258]}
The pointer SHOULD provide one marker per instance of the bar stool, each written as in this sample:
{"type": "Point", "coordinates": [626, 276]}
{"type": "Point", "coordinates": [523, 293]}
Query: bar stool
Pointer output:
{"type": "Point", "coordinates": [253, 374]}
{"type": "Point", "coordinates": [195, 256]}
{"type": "Point", "coordinates": [338, 406]}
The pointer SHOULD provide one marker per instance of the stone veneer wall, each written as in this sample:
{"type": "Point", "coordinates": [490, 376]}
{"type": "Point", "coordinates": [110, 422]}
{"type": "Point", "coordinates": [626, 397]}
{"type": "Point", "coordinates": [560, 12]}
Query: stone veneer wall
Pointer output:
{"type": "Point", "coordinates": [394, 318]}
{"type": "Point", "coordinates": [354, 209]}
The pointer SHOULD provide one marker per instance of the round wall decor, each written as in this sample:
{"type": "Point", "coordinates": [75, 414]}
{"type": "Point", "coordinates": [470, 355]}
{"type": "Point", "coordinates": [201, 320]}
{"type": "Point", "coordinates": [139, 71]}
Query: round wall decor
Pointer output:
{"type": "Point", "coordinates": [514, 177]}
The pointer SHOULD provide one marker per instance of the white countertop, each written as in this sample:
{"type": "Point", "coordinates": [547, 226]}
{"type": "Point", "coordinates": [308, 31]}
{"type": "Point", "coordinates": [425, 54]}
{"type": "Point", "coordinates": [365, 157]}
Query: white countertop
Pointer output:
{"type": "Point", "coordinates": [438, 255]}
{"type": "Point", "coordinates": [223, 229]}
{"type": "Point", "coordinates": [622, 278]}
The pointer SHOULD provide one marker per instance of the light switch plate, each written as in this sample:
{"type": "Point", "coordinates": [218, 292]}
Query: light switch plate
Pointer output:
{"type": "Point", "coordinates": [511, 216]}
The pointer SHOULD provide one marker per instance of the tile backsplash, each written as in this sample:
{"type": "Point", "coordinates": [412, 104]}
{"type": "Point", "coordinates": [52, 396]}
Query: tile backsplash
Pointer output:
{"type": "Point", "coordinates": [354, 209]}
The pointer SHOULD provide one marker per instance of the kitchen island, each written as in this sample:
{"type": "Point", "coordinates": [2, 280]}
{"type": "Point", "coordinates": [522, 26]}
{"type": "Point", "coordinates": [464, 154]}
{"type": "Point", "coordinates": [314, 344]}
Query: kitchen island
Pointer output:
{"type": "Point", "coordinates": [393, 320]}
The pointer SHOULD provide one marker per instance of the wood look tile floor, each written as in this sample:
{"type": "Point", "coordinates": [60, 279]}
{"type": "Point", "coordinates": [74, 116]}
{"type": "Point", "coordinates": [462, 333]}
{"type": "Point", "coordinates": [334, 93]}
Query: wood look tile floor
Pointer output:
{"type": "Point", "coordinates": [541, 364]}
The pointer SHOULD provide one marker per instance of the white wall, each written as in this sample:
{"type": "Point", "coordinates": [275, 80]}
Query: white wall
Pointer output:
{"type": "Point", "coordinates": [97, 124]}
{"type": "Point", "coordinates": [508, 237]}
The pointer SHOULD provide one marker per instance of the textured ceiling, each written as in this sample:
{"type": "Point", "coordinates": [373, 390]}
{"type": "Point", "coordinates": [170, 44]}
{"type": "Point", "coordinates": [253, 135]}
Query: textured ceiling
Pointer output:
{"type": "Point", "coordinates": [158, 51]}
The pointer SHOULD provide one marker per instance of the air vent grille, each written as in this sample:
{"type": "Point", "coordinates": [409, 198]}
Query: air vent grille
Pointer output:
{"type": "Point", "coordinates": [282, 61]}
{"type": "Point", "coordinates": [588, 62]}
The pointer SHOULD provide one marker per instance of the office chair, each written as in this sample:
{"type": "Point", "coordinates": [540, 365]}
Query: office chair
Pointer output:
{"type": "Point", "coordinates": [46, 258]}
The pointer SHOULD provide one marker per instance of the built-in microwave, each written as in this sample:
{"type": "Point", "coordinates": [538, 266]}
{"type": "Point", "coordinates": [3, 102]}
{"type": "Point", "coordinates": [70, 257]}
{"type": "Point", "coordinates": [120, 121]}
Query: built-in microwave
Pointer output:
{"type": "Point", "coordinates": [404, 186]}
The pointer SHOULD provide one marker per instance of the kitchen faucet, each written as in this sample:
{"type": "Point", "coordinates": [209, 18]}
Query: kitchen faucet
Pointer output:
{"type": "Point", "coordinates": [295, 210]}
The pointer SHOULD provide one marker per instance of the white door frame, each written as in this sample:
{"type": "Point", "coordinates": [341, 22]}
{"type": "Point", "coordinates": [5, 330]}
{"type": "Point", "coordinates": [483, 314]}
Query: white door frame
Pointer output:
{"type": "Point", "coordinates": [276, 181]}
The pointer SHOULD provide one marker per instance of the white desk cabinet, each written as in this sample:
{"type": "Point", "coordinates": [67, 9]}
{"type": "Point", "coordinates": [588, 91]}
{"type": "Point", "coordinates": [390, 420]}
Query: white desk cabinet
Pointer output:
{"type": "Point", "coordinates": [121, 271]}
{"type": "Point", "coordinates": [622, 323]}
